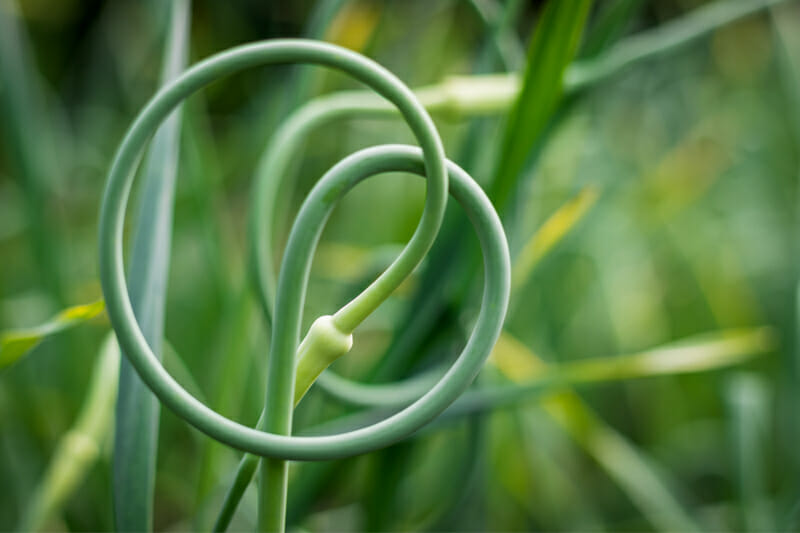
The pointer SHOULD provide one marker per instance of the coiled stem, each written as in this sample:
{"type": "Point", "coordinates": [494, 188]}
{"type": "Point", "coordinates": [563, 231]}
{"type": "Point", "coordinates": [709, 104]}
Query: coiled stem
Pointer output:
{"type": "Point", "coordinates": [272, 439]}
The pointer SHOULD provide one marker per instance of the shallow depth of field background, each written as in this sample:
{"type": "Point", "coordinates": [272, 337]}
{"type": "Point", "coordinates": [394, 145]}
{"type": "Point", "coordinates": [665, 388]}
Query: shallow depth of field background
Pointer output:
{"type": "Point", "coordinates": [688, 163]}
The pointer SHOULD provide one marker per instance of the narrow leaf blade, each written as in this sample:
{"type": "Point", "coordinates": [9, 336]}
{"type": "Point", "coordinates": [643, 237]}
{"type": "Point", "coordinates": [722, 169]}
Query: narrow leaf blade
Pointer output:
{"type": "Point", "coordinates": [137, 410]}
{"type": "Point", "coordinates": [553, 47]}
{"type": "Point", "coordinates": [15, 344]}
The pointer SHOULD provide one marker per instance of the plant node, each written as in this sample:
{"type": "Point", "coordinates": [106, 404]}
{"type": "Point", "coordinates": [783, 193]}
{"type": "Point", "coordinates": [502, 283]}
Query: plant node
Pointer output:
{"type": "Point", "coordinates": [324, 343]}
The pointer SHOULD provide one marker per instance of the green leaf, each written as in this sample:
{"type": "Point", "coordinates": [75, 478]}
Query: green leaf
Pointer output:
{"type": "Point", "coordinates": [15, 344]}
{"type": "Point", "coordinates": [137, 410]}
{"type": "Point", "coordinates": [27, 129]}
{"type": "Point", "coordinates": [555, 42]}
{"type": "Point", "coordinates": [608, 26]}
{"type": "Point", "coordinates": [79, 447]}
{"type": "Point", "coordinates": [553, 231]}
{"type": "Point", "coordinates": [750, 400]}
{"type": "Point", "coordinates": [630, 468]}
{"type": "Point", "coordinates": [664, 38]}
{"type": "Point", "coordinates": [707, 351]}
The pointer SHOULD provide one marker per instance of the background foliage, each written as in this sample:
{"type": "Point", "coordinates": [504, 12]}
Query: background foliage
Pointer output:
{"type": "Point", "coordinates": [658, 204]}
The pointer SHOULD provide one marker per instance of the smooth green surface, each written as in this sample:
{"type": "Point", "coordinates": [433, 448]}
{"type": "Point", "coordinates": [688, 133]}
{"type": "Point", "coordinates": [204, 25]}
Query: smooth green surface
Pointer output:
{"type": "Point", "coordinates": [294, 273]}
{"type": "Point", "coordinates": [137, 413]}
{"type": "Point", "coordinates": [695, 159]}
{"type": "Point", "coordinates": [458, 97]}
{"type": "Point", "coordinates": [553, 46]}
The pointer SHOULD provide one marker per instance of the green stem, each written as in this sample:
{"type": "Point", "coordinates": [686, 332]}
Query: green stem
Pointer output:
{"type": "Point", "coordinates": [137, 411]}
{"type": "Point", "coordinates": [702, 353]}
{"type": "Point", "coordinates": [457, 97]}
{"type": "Point", "coordinates": [429, 162]}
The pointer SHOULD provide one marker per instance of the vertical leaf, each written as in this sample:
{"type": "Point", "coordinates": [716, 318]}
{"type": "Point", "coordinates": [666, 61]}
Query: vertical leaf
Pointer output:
{"type": "Point", "coordinates": [608, 26]}
{"type": "Point", "coordinates": [137, 410]}
{"type": "Point", "coordinates": [750, 404]}
{"type": "Point", "coordinates": [28, 133]}
{"type": "Point", "coordinates": [554, 44]}
{"type": "Point", "coordinates": [787, 38]}
{"type": "Point", "coordinates": [81, 445]}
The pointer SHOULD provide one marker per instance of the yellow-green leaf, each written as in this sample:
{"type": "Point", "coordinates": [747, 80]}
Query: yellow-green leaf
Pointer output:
{"type": "Point", "coordinates": [708, 351]}
{"type": "Point", "coordinates": [14, 344]}
{"type": "Point", "coordinates": [551, 233]}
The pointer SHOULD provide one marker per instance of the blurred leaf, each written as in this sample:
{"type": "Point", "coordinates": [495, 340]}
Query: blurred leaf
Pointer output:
{"type": "Point", "coordinates": [354, 24]}
{"type": "Point", "coordinates": [14, 344]}
{"type": "Point", "coordinates": [554, 44]}
{"type": "Point", "coordinates": [515, 360]}
{"type": "Point", "coordinates": [175, 365]}
{"type": "Point", "coordinates": [498, 19]}
{"type": "Point", "coordinates": [305, 78]}
{"type": "Point", "coordinates": [137, 410]}
{"type": "Point", "coordinates": [27, 126]}
{"type": "Point", "coordinates": [708, 351]}
{"type": "Point", "coordinates": [701, 352]}
{"type": "Point", "coordinates": [664, 38]}
{"type": "Point", "coordinates": [688, 170]}
{"type": "Point", "coordinates": [750, 403]}
{"type": "Point", "coordinates": [625, 464]}
{"type": "Point", "coordinates": [784, 24]}
{"type": "Point", "coordinates": [629, 467]}
{"type": "Point", "coordinates": [608, 26]}
{"type": "Point", "coordinates": [81, 445]}
{"type": "Point", "coordinates": [551, 233]}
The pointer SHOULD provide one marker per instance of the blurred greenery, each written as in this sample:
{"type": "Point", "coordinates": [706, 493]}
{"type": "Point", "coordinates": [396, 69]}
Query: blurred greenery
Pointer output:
{"type": "Point", "coordinates": [648, 186]}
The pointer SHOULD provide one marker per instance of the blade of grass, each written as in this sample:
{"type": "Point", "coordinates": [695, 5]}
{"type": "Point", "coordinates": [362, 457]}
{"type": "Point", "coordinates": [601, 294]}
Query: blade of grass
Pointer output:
{"type": "Point", "coordinates": [554, 44]}
{"type": "Point", "coordinates": [788, 52]}
{"type": "Point", "coordinates": [80, 446]}
{"type": "Point", "coordinates": [663, 39]}
{"type": "Point", "coordinates": [137, 410]}
{"type": "Point", "coordinates": [553, 231]}
{"type": "Point", "coordinates": [608, 26]}
{"type": "Point", "coordinates": [698, 353]}
{"type": "Point", "coordinates": [632, 470]}
{"type": "Point", "coordinates": [15, 344]}
{"type": "Point", "coordinates": [303, 77]}
{"type": "Point", "coordinates": [237, 341]}
{"type": "Point", "coordinates": [25, 109]}
{"type": "Point", "coordinates": [502, 41]}
{"type": "Point", "coordinates": [706, 352]}
{"type": "Point", "coordinates": [235, 326]}
{"type": "Point", "coordinates": [629, 467]}
{"type": "Point", "coordinates": [749, 403]}
{"type": "Point", "coordinates": [625, 464]}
